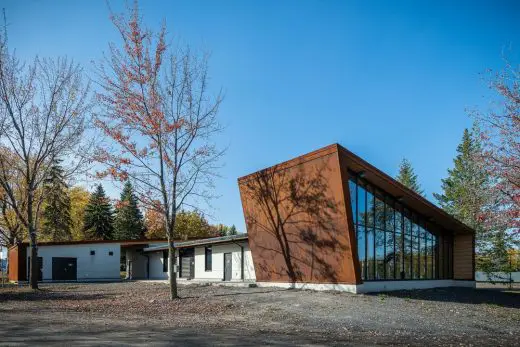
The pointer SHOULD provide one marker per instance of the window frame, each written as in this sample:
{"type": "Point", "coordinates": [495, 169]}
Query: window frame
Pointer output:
{"type": "Point", "coordinates": [208, 261]}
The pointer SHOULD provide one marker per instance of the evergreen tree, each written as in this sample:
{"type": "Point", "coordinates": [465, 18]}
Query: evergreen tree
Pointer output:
{"type": "Point", "coordinates": [99, 218]}
{"type": "Point", "coordinates": [232, 230]}
{"type": "Point", "coordinates": [408, 177]}
{"type": "Point", "coordinates": [467, 196]}
{"type": "Point", "coordinates": [57, 221]}
{"type": "Point", "coordinates": [464, 190]}
{"type": "Point", "coordinates": [128, 223]}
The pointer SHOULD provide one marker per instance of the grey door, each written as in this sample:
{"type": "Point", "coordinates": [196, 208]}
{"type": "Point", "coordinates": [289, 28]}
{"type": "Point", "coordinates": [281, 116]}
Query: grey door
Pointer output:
{"type": "Point", "coordinates": [227, 266]}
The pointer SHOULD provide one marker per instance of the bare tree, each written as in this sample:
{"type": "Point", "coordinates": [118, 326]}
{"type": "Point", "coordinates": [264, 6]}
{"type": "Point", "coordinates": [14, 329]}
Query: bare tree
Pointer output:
{"type": "Point", "coordinates": [159, 119]}
{"type": "Point", "coordinates": [43, 110]}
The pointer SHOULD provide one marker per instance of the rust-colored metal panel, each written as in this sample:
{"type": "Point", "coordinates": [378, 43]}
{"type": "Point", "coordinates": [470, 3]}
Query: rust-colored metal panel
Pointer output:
{"type": "Point", "coordinates": [350, 218]}
{"type": "Point", "coordinates": [12, 254]}
{"type": "Point", "coordinates": [17, 263]}
{"type": "Point", "coordinates": [297, 222]}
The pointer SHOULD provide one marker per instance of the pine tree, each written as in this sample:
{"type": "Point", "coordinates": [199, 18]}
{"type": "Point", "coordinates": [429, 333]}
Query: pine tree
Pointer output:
{"type": "Point", "coordinates": [464, 190]}
{"type": "Point", "coordinates": [99, 218]}
{"type": "Point", "coordinates": [128, 223]}
{"type": "Point", "coordinates": [408, 177]}
{"type": "Point", "coordinates": [466, 195]}
{"type": "Point", "coordinates": [57, 221]}
{"type": "Point", "coordinates": [233, 230]}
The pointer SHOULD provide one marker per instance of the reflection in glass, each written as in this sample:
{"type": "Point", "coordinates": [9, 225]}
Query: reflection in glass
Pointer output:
{"type": "Point", "coordinates": [394, 243]}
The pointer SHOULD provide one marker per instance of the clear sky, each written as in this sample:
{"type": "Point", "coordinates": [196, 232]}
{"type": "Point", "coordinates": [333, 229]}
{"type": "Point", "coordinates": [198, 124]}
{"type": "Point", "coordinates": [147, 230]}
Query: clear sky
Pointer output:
{"type": "Point", "coordinates": [385, 79]}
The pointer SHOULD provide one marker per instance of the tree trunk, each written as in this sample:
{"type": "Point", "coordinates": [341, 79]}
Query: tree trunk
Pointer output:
{"type": "Point", "coordinates": [172, 274]}
{"type": "Point", "coordinates": [35, 270]}
{"type": "Point", "coordinates": [33, 275]}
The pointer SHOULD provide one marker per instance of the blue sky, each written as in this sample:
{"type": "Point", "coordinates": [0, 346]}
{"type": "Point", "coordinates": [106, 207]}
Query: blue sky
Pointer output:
{"type": "Point", "coordinates": [385, 79]}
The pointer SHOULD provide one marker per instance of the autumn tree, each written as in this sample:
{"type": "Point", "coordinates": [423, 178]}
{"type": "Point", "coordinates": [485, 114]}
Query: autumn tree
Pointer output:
{"type": "Point", "coordinates": [159, 119]}
{"type": "Point", "coordinates": [192, 224]}
{"type": "Point", "coordinates": [43, 107]}
{"type": "Point", "coordinates": [500, 134]}
{"type": "Point", "coordinates": [154, 224]}
{"type": "Point", "coordinates": [128, 222]}
{"type": "Point", "coordinates": [99, 216]}
{"type": "Point", "coordinates": [56, 219]}
{"type": "Point", "coordinates": [79, 198]}
{"type": "Point", "coordinates": [408, 177]}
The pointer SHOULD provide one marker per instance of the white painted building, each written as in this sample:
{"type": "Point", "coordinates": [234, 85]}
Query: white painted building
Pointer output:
{"type": "Point", "coordinates": [217, 259]}
{"type": "Point", "coordinates": [72, 261]}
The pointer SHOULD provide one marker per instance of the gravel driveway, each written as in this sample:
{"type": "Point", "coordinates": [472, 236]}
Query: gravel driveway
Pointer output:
{"type": "Point", "coordinates": [139, 313]}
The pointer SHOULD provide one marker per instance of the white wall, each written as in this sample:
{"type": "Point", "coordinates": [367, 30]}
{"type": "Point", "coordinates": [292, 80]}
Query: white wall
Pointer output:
{"type": "Point", "coordinates": [216, 274]}
{"type": "Point", "coordinates": [156, 266]}
{"type": "Point", "coordinates": [217, 268]}
{"type": "Point", "coordinates": [100, 266]}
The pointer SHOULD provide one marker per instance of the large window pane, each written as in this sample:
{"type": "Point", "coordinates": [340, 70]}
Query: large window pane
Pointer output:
{"type": "Point", "coordinates": [429, 255]}
{"type": "Point", "coordinates": [353, 204]}
{"type": "Point", "coordinates": [399, 245]}
{"type": "Point", "coordinates": [361, 205]}
{"type": "Point", "coordinates": [370, 254]}
{"type": "Point", "coordinates": [408, 273]}
{"type": "Point", "coordinates": [424, 253]}
{"type": "Point", "coordinates": [416, 255]}
{"type": "Point", "coordinates": [380, 254]}
{"type": "Point", "coordinates": [390, 256]}
{"type": "Point", "coordinates": [361, 250]}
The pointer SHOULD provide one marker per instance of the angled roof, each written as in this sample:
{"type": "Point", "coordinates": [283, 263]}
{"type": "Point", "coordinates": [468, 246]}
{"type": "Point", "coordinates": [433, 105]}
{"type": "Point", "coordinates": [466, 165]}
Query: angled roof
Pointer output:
{"type": "Point", "coordinates": [403, 194]}
{"type": "Point", "coordinates": [378, 178]}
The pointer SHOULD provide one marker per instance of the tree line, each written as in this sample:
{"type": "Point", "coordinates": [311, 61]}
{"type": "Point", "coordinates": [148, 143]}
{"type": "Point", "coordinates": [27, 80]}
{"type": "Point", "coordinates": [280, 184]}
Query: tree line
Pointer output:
{"type": "Point", "coordinates": [74, 214]}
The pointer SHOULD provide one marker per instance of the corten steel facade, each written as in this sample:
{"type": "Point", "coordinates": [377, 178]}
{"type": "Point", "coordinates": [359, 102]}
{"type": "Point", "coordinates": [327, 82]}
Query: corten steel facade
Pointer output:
{"type": "Point", "coordinates": [330, 220]}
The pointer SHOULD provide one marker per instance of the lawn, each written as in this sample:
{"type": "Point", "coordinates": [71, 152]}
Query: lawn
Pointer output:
{"type": "Point", "coordinates": [140, 313]}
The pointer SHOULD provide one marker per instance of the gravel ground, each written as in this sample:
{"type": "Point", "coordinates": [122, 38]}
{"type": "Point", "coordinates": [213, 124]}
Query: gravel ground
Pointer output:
{"type": "Point", "coordinates": [139, 313]}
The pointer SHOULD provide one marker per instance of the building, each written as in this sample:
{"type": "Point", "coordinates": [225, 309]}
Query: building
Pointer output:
{"type": "Point", "coordinates": [330, 220]}
{"type": "Point", "coordinates": [73, 260]}
{"type": "Point", "coordinates": [214, 259]}
{"type": "Point", "coordinates": [217, 259]}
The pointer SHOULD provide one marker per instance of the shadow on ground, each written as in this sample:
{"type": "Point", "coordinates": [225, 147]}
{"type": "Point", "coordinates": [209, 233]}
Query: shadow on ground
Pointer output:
{"type": "Point", "coordinates": [47, 294]}
{"type": "Point", "coordinates": [491, 296]}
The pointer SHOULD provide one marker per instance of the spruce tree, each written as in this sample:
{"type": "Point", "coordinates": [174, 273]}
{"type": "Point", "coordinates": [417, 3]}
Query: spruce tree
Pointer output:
{"type": "Point", "coordinates": [57, 221]}
{"type": "Point", "coordinates": [128, 223]}
{"type": "Point", "coordinates": [408, 177]}
{"type": "Point", "coordinates": [464, 190]}
{"type": "Point", "coordinates": [99, 218]}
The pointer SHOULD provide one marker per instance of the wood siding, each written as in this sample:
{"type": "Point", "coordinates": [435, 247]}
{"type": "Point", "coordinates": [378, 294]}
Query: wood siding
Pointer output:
{"type": "Point", "coordinates": [463, 257]}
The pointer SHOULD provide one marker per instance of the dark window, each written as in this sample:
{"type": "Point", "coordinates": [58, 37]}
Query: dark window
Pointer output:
{"type": "Point", "coordinates": [92, 252]}
{"type": "Point", "coordinates": [394, 242]}
{"type": "Point", "coordinates": [207, 258]}
{"type": "Point", "coordinates": [165, 261]}
{"type": "Point", "coordinates": [110, 253]}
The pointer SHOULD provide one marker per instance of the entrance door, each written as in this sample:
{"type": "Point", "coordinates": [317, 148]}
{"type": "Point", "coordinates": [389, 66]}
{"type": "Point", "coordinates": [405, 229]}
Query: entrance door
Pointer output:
{"type": "Point", "coordinates": [64, 269]}
{"type": "Point", "coordinates": [227, 266]}
{"type": "Point", "coordinates": [187, 262]}
{"type": "Point", "coordinates": [40, 267]}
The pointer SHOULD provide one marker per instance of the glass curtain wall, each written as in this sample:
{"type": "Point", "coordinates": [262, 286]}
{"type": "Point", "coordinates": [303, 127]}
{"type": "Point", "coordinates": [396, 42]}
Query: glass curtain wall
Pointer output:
{"type": "Point", "coordinates": [393, 241]}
